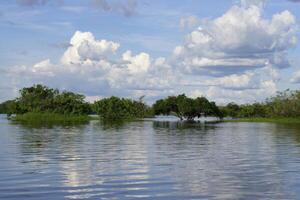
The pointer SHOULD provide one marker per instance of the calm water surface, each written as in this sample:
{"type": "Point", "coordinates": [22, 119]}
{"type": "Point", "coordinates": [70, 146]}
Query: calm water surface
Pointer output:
{"type": "Point", "coordinates": [149, 160]}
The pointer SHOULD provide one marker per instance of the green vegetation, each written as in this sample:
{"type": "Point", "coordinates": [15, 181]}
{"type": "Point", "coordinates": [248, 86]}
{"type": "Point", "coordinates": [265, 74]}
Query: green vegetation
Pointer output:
{"type": "Point", "coordinates": [186, 108]}
{"type": "Point", "coordinates": [115, 108]}
{"type": "Point", "coordinates": [269, 120]}
{"type": "Point", "coordinates": [282, 108]}
{"type": "Point", "coordinates": [245, 111]}
{"type": "Point", "coordinates": [40, 103]}
{"type": "Point", "coordinates": [50, 118]}
{"type": "Point", "coordinates": [41, 99]}
{"type": "Point", "coordinates": [43, 104]}
{"type": "Point", "coordinates": [7, 107]}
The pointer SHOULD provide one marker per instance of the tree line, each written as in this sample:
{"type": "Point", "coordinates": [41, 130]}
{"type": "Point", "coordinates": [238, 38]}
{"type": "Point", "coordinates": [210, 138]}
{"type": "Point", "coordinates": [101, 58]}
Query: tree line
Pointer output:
{"type": "Point", "coordinates": [42, 99]}
{"type": "Point", "coordinates": [285, 104]}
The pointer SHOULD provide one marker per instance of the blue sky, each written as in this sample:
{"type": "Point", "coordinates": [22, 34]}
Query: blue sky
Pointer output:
{"type": "Point", "coordinates": [155, 48]}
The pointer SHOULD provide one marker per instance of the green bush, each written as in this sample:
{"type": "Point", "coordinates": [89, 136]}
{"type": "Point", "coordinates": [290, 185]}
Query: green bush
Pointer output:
{"type": "Point", "coordinates": [50, 118]}
{"type": "Point", "coordinates": [184, 107]}
{"type": "Point", "coordinates": [115, 108]}
{"type": "Point", "coordinates": [41, 99]}
{"type": "Point", "coordinates": [284, 105]}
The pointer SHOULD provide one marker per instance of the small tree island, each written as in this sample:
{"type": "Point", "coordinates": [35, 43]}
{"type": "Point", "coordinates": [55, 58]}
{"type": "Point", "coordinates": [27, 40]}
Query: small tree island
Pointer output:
{"type": "Point", "coordinates": [40, 103]}
{"type": "Point", "coordinates": [186, 108]}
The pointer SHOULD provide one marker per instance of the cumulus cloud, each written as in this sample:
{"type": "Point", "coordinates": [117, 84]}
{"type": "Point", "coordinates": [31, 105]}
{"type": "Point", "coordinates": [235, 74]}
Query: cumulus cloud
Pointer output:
{"type": "Point", "coordinates": [260, 3]}
{"type": "Point", "coordinates": [124, 7]}
{"type": "Point", "coordinates": [296, 77]}
{"type": "Point", "coordinates": [138, 63]}
{"type": "Point", "coordinates": [238, 41]}
{"type": "Point", "coordinates": [44, 67]}
{"type": "Point", "coordinates": [96, 68]}
{"type": "Point", "coordinates": [222, 96]}
{"type": "Point", "coordinates": [84, 48]}
{"type": "Point", "coordinates": [235, 57]}
{"type": "Point", "coordinates": [244, 81]}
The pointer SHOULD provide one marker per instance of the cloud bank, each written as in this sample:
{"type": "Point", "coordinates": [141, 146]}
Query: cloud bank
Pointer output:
{"type": "Point", "coordinates": [235, 57]}
{"type": "Point", "coordinates": [238, 41]}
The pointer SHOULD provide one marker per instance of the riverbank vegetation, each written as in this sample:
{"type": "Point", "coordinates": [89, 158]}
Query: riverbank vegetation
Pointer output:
{"type": "Point", "coordinates": [40, 103]}
{"type": "Point", "coordinates": [280, 120]}
{"type": "Point", "coordinates": [284, 105]}
{"type": "Point", "coordinates": [6, 107]}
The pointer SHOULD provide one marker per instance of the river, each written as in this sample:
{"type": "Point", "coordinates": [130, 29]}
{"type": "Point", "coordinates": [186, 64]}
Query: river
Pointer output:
{"type": "Point", "coordinates": [150, 159]}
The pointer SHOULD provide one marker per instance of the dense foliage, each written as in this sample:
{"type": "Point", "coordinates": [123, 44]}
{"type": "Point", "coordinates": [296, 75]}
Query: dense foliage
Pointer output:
{"type": "Point", "coordinates": [186, 108]}
{"type": "Point", "coordinates": [51, 118]}
{"type": "Point", "coordinates": [115, 108]}
{"type": "Point", "coordinates": [6, 107]}
{"type": "Point", "coordinates": [245, 110]}
{"type": "Point", "coordinates": [41, 99]}
{"type": "Point", "coordinates": [284, 104]}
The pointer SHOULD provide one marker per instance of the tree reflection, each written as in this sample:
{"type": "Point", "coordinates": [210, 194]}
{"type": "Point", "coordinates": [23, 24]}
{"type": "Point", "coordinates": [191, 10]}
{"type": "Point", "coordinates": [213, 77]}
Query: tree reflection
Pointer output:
{"type": "Point", "coordinates": [181, 125]}
{"type": "Point", "coordinates": [49, 125]}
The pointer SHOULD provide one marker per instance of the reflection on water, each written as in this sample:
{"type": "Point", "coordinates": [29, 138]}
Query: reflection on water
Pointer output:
{"type": "Point", "coordinates": [49, 125]}
{"type": "Point", "coordinates": [181, 125]}
{"type": "Point", "coordinates": [150, 160]}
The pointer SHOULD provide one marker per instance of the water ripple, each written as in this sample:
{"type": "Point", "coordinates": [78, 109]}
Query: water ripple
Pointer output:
{"type": "Point", "coordinates": [150, 160]}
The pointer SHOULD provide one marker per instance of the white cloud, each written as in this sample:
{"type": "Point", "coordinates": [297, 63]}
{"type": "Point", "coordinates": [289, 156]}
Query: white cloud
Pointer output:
{"type": "Point", "coordinates": [84, 49]}
{"type": "Point", "coordinates": [95, 68]}
{"type": "Point", "coordinates": [238, 41]}
{"type": "Point", "coordinates": [44, 67]}
{"type": "Point", "coordinates": [248, 3]}
{"type": "Point", "coordinates": [296, 77]}
{"type": "Point", "coordinates": [223, 96]}
{"type": "Point", "coordinates": [244, 81]}
{"type": "Point", "coordinates": [236, 57]}
{"type": "Point", "coordinates": [138, 63]}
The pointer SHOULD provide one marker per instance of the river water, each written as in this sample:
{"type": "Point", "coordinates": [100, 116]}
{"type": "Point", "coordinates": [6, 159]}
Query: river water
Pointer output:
{"type": "Point", "coordinates": [149, 160]}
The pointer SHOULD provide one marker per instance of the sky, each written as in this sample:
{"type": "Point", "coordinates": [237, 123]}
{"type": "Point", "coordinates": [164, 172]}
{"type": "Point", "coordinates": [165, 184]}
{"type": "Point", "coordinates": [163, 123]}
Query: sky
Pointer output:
{"type": "Point", "coordinates": [226, 50]}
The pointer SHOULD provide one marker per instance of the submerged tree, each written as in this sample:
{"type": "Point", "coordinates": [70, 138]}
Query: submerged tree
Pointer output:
{"type": "Point", "coordinates": [186, 108]}
{"type": "Point", "coordinates": [69, 102]}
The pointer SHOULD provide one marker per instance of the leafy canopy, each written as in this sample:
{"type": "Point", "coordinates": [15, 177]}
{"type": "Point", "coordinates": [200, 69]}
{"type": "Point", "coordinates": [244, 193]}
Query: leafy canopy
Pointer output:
{"type": "Point", "coordinates": [185, 107]}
